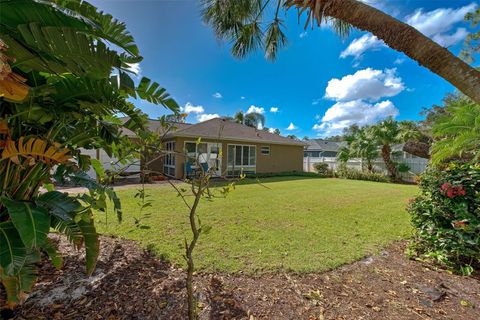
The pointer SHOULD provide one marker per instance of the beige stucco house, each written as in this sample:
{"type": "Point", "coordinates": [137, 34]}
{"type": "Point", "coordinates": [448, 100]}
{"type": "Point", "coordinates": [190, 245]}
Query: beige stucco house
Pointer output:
{"type": "Point", "coordinates": [227, 148]}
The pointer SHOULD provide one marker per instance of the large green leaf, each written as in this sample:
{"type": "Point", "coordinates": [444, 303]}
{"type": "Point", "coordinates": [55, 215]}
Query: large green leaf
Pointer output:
{"type": "Point", "coordinates": [61, 205]}
{"type": "Point", "coordinates": [152, 92]}
{"type": "Point", "coordinates": [51, 249]}
{"type": "Point", "coordinates": [32, 222]}
{"type": "Point", "coordinates": [92, 244]}
{"type": "Point", "coordinates": [12, 249]}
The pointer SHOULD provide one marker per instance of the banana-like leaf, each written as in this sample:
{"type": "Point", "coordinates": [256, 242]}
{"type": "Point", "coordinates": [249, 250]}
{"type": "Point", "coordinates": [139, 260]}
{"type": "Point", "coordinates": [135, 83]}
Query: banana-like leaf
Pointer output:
{"type": "Point", "coordinates": [51, 249]}
{"type": "Point", "coordinates": [32, 222]}
{"type": "Point", "coordinates": [60, 204]}
{"type": "Point", "coordinates": [12, 249]}
{"type": "Point", "coordinates": [68, 228]}
{"type": "Point", "coordinates": [98, 168]}
{"type": "Point", "coordinates": [152, 92]}
{"type": "Point", "coordinates": [92, 244]}
{"type": "Point", "coordinates": [34, 149]}
{"type": "Point", "coordinates": [22, 281]}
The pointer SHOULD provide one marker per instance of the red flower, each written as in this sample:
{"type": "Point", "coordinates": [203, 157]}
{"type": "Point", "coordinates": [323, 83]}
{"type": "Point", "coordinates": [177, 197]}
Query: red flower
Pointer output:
{"type": "Point", "coordinates": [446, 185]}
{"type": "Point", "coordinates": [451, 193]}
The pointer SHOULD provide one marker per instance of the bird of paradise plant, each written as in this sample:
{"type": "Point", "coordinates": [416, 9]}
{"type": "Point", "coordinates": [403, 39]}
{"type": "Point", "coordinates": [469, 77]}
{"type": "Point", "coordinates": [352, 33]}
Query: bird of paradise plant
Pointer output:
{"type": "Point", "coordinates": [62, 83]}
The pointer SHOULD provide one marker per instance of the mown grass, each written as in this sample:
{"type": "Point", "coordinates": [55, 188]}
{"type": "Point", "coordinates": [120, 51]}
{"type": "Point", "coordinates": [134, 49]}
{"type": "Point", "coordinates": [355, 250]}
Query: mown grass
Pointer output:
{"type": "Point", "coordinates": [296, 224]}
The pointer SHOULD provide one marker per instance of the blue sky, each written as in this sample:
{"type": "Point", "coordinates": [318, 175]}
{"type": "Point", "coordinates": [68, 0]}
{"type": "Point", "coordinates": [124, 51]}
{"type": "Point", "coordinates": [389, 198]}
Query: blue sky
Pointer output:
{"type": "Point", "coordinates": [183, 55]}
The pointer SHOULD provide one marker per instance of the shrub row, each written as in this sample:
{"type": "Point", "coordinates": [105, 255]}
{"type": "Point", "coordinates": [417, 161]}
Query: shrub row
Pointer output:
{"type": "Point", "coordinates": [348, 173]}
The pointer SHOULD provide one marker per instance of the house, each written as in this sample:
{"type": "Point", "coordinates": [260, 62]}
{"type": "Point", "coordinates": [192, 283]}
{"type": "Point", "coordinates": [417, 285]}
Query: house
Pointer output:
{"type": "Point", "coordinates": [318, 148]}
{"type": "Point", "coordinates": [227, 148]}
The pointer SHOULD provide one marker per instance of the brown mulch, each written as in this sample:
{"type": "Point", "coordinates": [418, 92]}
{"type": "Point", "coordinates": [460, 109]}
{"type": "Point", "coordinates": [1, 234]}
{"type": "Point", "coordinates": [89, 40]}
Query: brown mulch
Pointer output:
{"type": "Point", "coordinates": [129, 283]}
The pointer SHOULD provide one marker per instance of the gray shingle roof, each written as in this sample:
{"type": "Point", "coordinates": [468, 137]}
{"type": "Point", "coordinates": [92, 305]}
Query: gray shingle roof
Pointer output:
{"type": "Point", "coordinates": [223, 129]}
{"type": "Point", "coordinates": [323, 145]}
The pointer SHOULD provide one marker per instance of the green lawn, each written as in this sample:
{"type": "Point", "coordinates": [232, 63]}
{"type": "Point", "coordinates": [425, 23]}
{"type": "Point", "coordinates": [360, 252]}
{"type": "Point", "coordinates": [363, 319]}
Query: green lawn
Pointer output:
{"type": "Point", "coordinates": [298, 224]}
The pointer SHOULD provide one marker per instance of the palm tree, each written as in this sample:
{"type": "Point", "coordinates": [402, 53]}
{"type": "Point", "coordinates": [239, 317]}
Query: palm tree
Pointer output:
{"type": "Point", "coordinates": [255, 120]}
{"type": "Point", "coordinates": [245, 25]}
{"type": "Point", "coordinates": [252, 119]}
{"type": "Point", "coordinates": [364, 147]}
{"type": "Point", "coordinates": [457, 132]}
{"type": "Point", "coordinates": [385, 134]}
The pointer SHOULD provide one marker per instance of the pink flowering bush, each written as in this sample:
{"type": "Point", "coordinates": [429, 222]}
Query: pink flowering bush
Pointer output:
{"type": "Point", "coordinates": [446, 217]}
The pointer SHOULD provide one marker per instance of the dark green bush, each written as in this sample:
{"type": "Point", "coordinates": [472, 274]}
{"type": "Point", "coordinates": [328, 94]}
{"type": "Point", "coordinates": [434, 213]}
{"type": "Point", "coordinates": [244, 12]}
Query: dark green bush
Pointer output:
{"type": "Point", "coordinates": [348, 173]}
{"type": "Point", "coordinates": [446, 217]}
{"type": "Point", "coordinates": [323, 169]}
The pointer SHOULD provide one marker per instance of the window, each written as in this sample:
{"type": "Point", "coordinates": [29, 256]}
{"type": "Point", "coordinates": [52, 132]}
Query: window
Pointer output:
{"type": "Point", "coordinates": [265, 150]}
{"type": "Point", "coordinates": [241, 159]}
{"type": "Point", "coordinates": [196, 150]}
{"type": "Point", "coordinates": [169, 164]}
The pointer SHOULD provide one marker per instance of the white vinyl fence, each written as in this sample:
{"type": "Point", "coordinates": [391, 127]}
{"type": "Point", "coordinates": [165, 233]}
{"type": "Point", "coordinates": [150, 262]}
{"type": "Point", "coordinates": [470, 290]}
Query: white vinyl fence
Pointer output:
{"type": "Point", "coordinates": [417, 165]}
{"type": "Point", "coordinates": [109, 163]}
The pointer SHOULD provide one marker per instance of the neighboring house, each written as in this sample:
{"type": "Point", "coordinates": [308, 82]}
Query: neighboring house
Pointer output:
{"type": "Point", "coordinates": [227, 148]}
{"type": "Point", "coordinates": [318, 148]}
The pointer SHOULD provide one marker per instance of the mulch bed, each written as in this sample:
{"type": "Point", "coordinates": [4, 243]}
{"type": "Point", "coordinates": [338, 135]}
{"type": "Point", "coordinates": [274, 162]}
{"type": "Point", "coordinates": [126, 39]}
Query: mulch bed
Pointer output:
{"type": "Point", "coordinates": [129, 283]}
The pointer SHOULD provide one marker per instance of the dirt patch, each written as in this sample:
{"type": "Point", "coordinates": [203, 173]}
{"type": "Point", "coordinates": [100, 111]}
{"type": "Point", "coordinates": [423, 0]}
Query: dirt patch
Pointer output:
{"type": "Point", "coordinates": [129, 283]}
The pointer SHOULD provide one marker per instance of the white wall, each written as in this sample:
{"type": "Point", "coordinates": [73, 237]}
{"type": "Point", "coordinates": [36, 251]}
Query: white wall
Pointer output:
{"type": "Point", "coordinates": [417, 165]}
{"type": "Point", "coordinates": [109, 163]}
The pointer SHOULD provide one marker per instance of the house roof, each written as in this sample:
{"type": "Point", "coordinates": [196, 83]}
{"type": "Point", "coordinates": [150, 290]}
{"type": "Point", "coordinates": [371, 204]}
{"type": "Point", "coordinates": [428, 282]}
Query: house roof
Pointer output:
{"type": "Point", "coordinates": [153, 125]}
{"type": "Point", "coordinates": [323, 145]}
{"type": "Point", "coordinates": [223, 129]}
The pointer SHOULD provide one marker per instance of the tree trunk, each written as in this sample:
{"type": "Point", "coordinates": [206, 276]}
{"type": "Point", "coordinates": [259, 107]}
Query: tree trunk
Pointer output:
{"type": "Point", "coordinates": [401, 37]}
{"type": "Point", "coordinates": [391, 168]}
{"type": "Point", "coordinates": [419, 149]}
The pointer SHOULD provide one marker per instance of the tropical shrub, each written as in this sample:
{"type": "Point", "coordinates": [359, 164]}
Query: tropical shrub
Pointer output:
{"type": "Point", "coordinates": [61, 85]}
{"type": "Point", "coordinates": [349, 173]}
{"type": "Point", "coordinates": [446, 217]}
{"type": "Point", "coordinates": [323, 169]}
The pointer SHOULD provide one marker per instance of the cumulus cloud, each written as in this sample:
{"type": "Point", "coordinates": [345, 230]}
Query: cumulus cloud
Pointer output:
{"type": "Point", "coordinates": [367, 84]}
{"type": "Point", "coordinates": [272, 130]}
{"type": "Point", "coordinates": [343, 114]}
{"type": "Point", "coordinates": [273, 109]}
{"type": "Point", "coordinates": [254, 109]}
{"type": "Point", "coordinates": [190, 108]}
{"type": "Point", "coordinates": [207, 116]}
{"type": "Point", "coordinates": [436, 24]}
{"type": "Point", "coordinates": [217, 95]}
{"type": "Point", "coordinates": [358, 46]}
{"type": "Point", "coordinates": [292, 127]}
{"type": "Point", "coordinates": [399, 61]}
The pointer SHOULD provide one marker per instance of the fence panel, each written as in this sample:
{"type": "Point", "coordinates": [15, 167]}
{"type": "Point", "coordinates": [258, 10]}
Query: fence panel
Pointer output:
{"type": "Point", "coordinates": [417, 165]}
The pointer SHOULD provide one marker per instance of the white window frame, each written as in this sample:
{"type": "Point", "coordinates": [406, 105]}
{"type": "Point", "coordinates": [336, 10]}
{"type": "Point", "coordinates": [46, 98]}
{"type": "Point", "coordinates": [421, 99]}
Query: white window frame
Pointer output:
{"type": "Point", "coordinates": [267, 148]}
{"type": "Point", "coordinates": [170, 160]}
{"type": "Point", "coordinates": [241, 167]}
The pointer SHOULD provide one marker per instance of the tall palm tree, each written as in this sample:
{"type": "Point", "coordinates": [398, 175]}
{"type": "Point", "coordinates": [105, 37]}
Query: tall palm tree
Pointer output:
{"type": "Point", "coordinates": [239, 117]}
{"type": "Point", "coordinates": [385, 134]}
{"type": "Point", "coordinates": [254, 120]}
{"type": "Point", "coordinates": [245, 24]}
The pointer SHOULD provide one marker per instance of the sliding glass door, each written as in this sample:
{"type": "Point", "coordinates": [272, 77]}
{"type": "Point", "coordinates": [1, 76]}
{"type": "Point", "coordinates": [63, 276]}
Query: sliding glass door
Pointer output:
{"type": "Point", "coordinates": [241, 159]}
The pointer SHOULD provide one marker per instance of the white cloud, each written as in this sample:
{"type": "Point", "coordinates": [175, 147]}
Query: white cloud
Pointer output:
{"type": "Point", "coordinates": [207, 116]}
{"type": "Point", "coordinates": [343, 114]}
{"type": "Point", "coordinates": [303, 34]}
{"type": "Point", "coordinates": [273, 109]}
{"type": "Point", "coordinates": [190, 108]}
{"type": "Point", "coordinates": [316, 101]}
{"type": "Point", "coordinates": [272, 130]}
{"type": "Point", "coordinates": [368, 84]}
{"type": "Point", "coordinates": [436, 24]}
{"type": "Point", "coordinates": [217, 95]}
{"type": "Point", "coordinates": [292, 127]}
{"type": "Point", "coordinates": [399, 61]}
{"type": "Point", "coordinates": [358, 46]}
{"type": "Point", "coordinates": [254, 109]}
{"type": "Point", "coordinates": [242, 97]}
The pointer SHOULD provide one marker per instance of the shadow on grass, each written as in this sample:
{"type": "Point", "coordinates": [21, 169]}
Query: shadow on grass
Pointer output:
{"type": "Point", "coordinates": [265, 179]}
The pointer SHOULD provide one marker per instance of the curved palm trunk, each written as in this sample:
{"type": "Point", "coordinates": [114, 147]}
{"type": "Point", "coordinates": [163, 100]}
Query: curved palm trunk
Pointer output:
{"type": "Point", "coordinates": [386, 155]}
{"type": "Point", "coordinates": [401, 37]}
